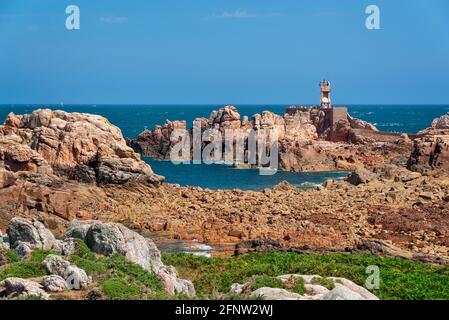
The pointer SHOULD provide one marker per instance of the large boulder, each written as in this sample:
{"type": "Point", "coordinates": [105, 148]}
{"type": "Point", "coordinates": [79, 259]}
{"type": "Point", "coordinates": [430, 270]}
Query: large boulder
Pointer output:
{"type": "Point", "coordinates": [31, 232]}
{"type": "Point", "coordinates": [348, 284]}
{"type": "Point", "coordinates": [78, 229]}
{"type": "Point", "coordinates": [54, 283]}
{"type": "Point", "coordinates": [77, 145]}
{"type": "Point", "coordinates": [23, 289]}
{"type": "Point", "coordinates": [23, 249]}
{"type": "Point", "coordinates": [111, 238]}
{"type": "Point", "coordinates": [75, 277]}
{"type": "Point", "coordinates": [361, 176]}
{"type": "Point", "coordinates": [105, 239]}
{"type": "Point", "coordinates": [275, 294]}
{"type": "Point", "coordinates": [225, 118]}
{"type": "Point", "coordinates": [341, 293]}
{"type": "Point", "coordinates": [340, 131]}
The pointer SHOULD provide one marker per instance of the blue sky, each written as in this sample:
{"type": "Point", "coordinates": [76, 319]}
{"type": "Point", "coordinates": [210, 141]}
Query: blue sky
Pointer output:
{"type": "Point", "coordinates": [223, 51]}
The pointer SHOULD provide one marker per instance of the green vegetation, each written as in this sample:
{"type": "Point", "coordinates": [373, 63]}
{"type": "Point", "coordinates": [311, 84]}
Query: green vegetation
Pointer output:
{"type": "Point", "coordinates": [119, 288]}
{"type": "Point", "coordinates": [293, 284]}
{"type": "Point", "coordinates": [26, 268]}
{"type": "Point", "coordinates": [298, 287]}
{"type": "Point", "coordinates": [325, 282]}
{"type": "Point", "coordinates": [400, 278]}
{"type": "Point", "coordinates": [118, 278]}
{"type": "Point", "coordinates": [265, 281]}
{"type": "Point", "coordinates": [12, 256]}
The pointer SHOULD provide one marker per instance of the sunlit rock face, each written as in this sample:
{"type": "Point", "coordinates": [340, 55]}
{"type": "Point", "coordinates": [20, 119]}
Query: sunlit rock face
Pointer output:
{"type": "Point", "coordinates": [81, 146]}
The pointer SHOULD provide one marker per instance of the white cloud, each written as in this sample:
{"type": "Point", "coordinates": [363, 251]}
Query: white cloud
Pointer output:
{"type": "Point", "coordinates": [113, 19]}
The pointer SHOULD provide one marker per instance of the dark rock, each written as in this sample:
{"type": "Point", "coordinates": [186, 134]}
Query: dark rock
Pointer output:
{"type": "Point", "coordinates": [257, 245]}
{"type": "Point", "coordinates": [33, 233]}
{"type": "Point", "coordinates": [361, 176]}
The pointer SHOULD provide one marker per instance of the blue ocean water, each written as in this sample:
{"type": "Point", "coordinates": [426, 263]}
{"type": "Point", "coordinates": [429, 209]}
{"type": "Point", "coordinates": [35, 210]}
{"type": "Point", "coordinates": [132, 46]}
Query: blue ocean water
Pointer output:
{"type": "Point", "coordinates": [133, 119]}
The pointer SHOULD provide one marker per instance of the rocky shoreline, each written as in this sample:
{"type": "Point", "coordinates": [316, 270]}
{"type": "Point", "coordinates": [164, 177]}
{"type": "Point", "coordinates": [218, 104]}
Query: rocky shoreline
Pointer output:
{"type": "Point", "coordinates": [57, 166]}
{"type": "Point", "coordinates": [308, 142]}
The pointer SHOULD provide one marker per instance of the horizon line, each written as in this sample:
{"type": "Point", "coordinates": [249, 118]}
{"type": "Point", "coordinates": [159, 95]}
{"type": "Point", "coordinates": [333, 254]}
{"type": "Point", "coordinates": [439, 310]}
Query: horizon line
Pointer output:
{"type": "Point", "coordinates": [220, 104]}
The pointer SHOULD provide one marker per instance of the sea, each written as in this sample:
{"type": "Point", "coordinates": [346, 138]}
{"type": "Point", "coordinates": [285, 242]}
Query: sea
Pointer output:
{"type": "Point", "coordinates": [133, 119]}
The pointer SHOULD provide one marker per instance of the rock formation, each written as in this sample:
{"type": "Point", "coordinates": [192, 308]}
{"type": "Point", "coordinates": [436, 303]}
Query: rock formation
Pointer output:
{"type": "Point", "coordinates": [25, 235]}
{"type": "Point", "coordinates": [102, 238]}
{"type": "Point", "coordinates": [431, 148]}
{"type": "Point", "coordinates": [23, 289]}
{"type": "Point", "coordinates": [306, 141]}
{"type": "Point", "coordinates": [110, 238]}
{"type": "Point", "coordinates": [81, 146]}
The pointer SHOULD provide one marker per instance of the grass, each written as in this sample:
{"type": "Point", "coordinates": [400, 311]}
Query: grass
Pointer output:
{"type": "Point", "coordinates": [327, 283]}
{"type": "Point", "coordinates": [27, 268]}
{"type": "Point", "coordinates": [265, 281]}
{"type": "Point", "coordinates": [118, 278]}
{"type": "Point", "coordinates": [400, 278]}
{"type": "Point", "coordinates": [119, 288]}
{"type": "Point", "coordinates": [299, 286]}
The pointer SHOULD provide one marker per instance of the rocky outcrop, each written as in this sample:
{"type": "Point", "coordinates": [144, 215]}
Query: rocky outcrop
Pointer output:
{"type": "Point", "coordinates": [55, 265]}
{"type": "Point", "coordinates": [306, 140]}
{"type": "Point", "coordinates": [441, 123]}
{"type": "Point", "coordinates": [431, 148]}
{"type": "Point", "coordinates": [157, 143]}
{"type": "Point", "coordinates": [398, 205]}
{"type": "Point", "coordinates": [54, 283]}
{"type": "Point", "coordinates": [54, 165]}
{"type": "Point", "coordinates": [102, 238]}
{"type": "Point", "coordinates": [32, 233]}
{"type": "Point", "coordinates": [360, 124]}
{"type": "Point", "coordinates": [382, 248]}
{"type": "Point", "coordinates": [110, 238]}
{"type": "Point", "coordinates": [80, 146]}
{"type": "Point", "coordinates": [16, 288]}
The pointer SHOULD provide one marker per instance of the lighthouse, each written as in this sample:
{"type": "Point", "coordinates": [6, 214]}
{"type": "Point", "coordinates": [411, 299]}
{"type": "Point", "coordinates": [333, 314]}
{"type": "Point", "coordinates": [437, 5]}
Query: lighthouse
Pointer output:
{"type": "Point", "coordinates": [325, 91]}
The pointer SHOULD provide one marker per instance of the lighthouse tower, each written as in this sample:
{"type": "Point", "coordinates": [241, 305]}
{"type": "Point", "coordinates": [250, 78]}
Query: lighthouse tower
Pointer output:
{"type": "Point", "coordinates": [325, 90]}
